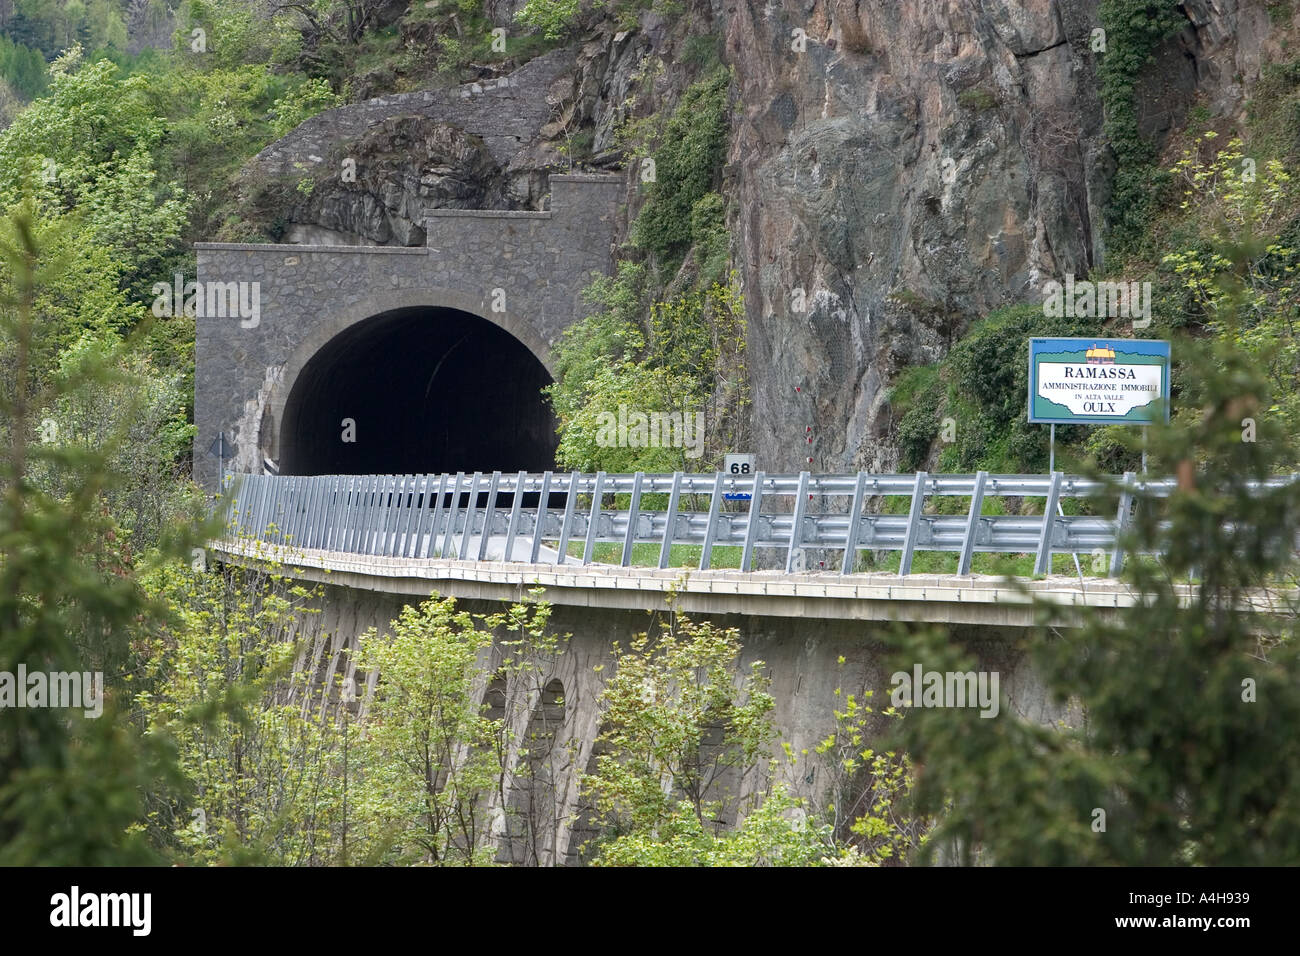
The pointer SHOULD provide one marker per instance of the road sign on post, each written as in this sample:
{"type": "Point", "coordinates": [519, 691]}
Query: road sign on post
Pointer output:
{"type": "Point", "coordinates": [1098, 381]}
{"type": "Point", "coordinates": [738, 465]}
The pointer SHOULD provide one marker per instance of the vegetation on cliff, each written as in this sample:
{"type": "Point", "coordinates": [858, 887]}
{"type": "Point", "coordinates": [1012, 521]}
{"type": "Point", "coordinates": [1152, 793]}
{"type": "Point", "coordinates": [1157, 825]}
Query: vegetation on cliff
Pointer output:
{"type": "Point", "coordinates": [213, 748]}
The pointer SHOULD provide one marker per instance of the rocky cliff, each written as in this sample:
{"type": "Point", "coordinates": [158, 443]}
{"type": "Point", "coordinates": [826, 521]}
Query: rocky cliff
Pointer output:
{"type": "Point", "coordinates": [898, 168]}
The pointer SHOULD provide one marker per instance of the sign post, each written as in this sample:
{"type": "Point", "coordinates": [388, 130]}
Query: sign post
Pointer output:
{"type": "Point", "coordinates": [222, 449]}
{"type": "Point", "coordinates": [1097, 382]}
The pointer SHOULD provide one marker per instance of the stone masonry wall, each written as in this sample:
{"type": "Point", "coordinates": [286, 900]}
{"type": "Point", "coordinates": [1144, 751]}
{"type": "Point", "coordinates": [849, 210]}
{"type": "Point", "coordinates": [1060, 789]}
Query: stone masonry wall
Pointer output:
{"type": "Point", "coordinates": [801, 656]}
{"type": "Point", "coordinates": [540, 262]}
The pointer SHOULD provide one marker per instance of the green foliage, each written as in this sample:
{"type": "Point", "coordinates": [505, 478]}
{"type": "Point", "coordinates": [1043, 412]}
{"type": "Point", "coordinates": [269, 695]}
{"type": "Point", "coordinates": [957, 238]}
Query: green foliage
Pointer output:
{"type": "Point", "coordinates": [978, 99]}
{"type": "Point", "coordinates": [686, 358]}
{"type": "Point", "coordinates": [866, 790]}
{"type": "Point", "coordinates": [455, 39]}
{"type": "Point", "coordinates": [1134, 28]}
{"type": "Point", "coordinates": [775, 833]}
{"type": "Point", "coordinates": [91, 119]}
{"type": "Point", "coordinates": [70, 784]}
{"type": "Point", "coordinates": [685, 777]}
{"type": "Point", "coordinates": [1189, 694]}
{"type": "Point", "coordinates": [140, 417]}
{"type": "Point", "coordinates": [301, 103]}
{"type": "Point", "coordinates": [916, 398]}
{"type": "Point", "coordinates": [687, 167]}
{"type": "Point", "coordinates": [264, 773]}
{"type": "Point", "coordinates": [986, 376]}
{"type": "Point", "coordinates": [555, 18]}
{"type": "Point", "coordinates": [22, 69]}
{"type": "Point", "coordinates": [559, 19]}
{"type": "Point", "coordinates": [420, 800]}
{"type": "Point", "coordinates": [235, 34]}
{"type": "Point", "coordinates": [679, 733]}
{"type": "Point", "coordinates": [1252, 205]}
{"type": "Point", "coordinates": [52, 26]}
{"type": "Point", "coordinates": [88, 146]}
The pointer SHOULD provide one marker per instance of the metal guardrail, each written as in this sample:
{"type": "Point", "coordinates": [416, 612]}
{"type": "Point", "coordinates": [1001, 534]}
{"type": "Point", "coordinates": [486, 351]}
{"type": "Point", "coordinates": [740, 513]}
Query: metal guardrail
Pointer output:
{"type": "Point", "coordinates": [423, 516]}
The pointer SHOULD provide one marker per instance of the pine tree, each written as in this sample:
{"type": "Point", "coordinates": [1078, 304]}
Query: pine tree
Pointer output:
{"type": "Point", "coordinates": [1187, 753]}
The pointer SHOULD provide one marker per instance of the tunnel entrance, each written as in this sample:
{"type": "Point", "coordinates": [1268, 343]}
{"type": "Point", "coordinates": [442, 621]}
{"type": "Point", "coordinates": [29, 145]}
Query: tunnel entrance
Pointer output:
{"type": "Point", "coordinates": [416, 391]}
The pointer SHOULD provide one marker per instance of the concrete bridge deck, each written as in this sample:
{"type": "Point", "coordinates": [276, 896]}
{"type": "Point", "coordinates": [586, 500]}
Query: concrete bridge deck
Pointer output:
{"type": "Point", "coordinates": [975, 600]}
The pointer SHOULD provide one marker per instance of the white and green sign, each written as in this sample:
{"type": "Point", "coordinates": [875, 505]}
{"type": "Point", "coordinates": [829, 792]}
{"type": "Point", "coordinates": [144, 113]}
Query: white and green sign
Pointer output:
{"type": "Point", "coordinates": [1098, 381]}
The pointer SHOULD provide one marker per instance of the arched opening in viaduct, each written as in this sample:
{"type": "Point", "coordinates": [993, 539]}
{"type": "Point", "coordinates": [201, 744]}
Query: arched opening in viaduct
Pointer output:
{"type": "Point", "coordinates": [418, 390]}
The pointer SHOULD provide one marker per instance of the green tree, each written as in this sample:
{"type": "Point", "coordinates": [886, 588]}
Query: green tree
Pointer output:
{"type": "Point", "coordinates": [70, 784]}
{"type": "Point", "coordinates": [1186, 754]}
{"type": "Point", "coordinates": [680, 736]}
{"type": "Point", "coordinates": [431, 758]}
{"type": "Point", "coordinates": [685, 775]}
{"type": "Point", "coordinates": [89, 146]}
{"type": "Point", "coordinates": [264, 759]}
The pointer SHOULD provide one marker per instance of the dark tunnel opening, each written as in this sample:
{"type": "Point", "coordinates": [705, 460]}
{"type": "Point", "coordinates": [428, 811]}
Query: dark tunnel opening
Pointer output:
{"type": "Point", "coordinates": [419, 391]}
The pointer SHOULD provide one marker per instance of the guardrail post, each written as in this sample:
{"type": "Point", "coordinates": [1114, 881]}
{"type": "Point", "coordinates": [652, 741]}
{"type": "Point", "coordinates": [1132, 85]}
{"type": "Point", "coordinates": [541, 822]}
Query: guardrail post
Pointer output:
{"type": "Point", "coordinates": [291, 502]}
{"type": "Point", "coordinates": [369, 534]}
{"type": "Point", "coordinates": [711, 529]}
{"type": "Point", "coordinates": [471, 512]}
{"type": "Point", "coordinates": [594, 522]}
{"type": "Point", "coordinates": [251, 495]}
{"type": "Point", "coordinates": [279, 491]}
{"type": "Point", "coordinates": [370, 538]}
{"type": "Point", "coordinates": [324, 511]}
{"type": "Point", "coordinates": [383, 515]}
{"type": "Point", "coordinates": [488, 515]}
{"type": "Point", "coordinates": [674, 497]}
{"type": "Point", "coordinates": [634, 509]}
{"type": "Point", "coordinates": [512, 529]}
{"type": "Point", "coordinates": [413, 513]}
{"type": "Point", "coordinates": [1043, 562]}
{"type": "Point", "coordinates": [409, 501]}
{"type": "Point", "coordinates": [387, 494]}
{"type": "Point", "coordinates": [403, 504]}
{"type": "Point", "coordinates": [453, 507]}
{"type": "Point", "coordinates": [315, 506]}
{"type": "Point", "coordinates": [566, 526]}
{"type": "Point", "coordinates": [425, 547]}
{"type": "Point", "coordinates": [913, 523]}
{"type": "Point", "coordinates": [796, 521]}
{"type": "Point", "coordinates": [1121, 522]}
{"type": "Point", "coordinates": [751, 528]}
{"type": "Point", "coordinates": [283, 516]}
{"type": "Point", "coordinates": [972, 522]}
{"type": "Point", "coordinates": [364, 486]}
{"type": "Point", "coordinates": [855, 522]}
{"type": "Point", "coordinates": [394, 499]}
{"type": "Point", "coordinates": [339, 534]}
{"type": "Point", "coordinates": [540, 522]}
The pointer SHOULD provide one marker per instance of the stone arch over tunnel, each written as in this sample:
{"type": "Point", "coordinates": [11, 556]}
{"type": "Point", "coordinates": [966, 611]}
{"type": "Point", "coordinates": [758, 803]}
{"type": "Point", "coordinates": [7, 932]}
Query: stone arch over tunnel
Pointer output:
{"type": "Point", "coordinates": [415, 389]}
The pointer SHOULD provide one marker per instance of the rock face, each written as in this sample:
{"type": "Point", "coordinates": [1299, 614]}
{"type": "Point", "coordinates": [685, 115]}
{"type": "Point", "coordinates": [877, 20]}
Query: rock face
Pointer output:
{"type": "Point", "coordinates": [916, 165]}
{"type": "Point", "coordinates": [380, 165]}
{"type": "Point", "coordinates": [410, 164]}
{"type": "Point", "coordinates": [898, 169]}
{"type": "Point", "coordinates": [902, 167]}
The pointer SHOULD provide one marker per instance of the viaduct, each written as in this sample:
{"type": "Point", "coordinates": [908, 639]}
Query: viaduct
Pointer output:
{"type": "Point", "coordinates": [430, 360]}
